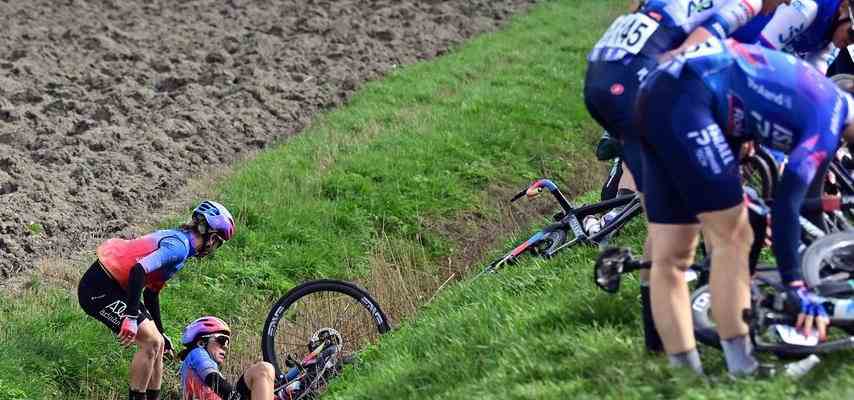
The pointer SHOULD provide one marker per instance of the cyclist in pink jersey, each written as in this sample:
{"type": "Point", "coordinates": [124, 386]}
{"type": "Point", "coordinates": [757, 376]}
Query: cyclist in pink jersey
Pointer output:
{"type": "Point", "coordinates": [126, 270]}
{"type": "Point", "coordinates": [206, 343]}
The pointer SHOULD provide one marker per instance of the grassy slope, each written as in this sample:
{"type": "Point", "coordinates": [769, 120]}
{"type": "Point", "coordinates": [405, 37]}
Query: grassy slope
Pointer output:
{"type": "Point", "coordinates": [541, 330]}
{"type": "Point", "coordinates": [422, 145]}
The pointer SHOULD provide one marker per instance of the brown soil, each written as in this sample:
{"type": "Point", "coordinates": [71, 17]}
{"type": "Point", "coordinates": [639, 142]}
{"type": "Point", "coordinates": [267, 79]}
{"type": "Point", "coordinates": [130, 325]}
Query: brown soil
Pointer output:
{"type": "Point", "coordinates": [110, 107]}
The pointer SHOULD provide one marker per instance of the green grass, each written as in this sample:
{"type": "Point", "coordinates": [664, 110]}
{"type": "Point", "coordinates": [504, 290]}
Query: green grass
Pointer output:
{"type": "Point", "coordinates": [423, 145]}
{"type": "Point", "coordinates": [421, 148]}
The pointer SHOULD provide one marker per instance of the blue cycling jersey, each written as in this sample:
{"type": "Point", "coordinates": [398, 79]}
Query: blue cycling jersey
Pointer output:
{"type": "Point", "coordinates": [803, 28]}
{"type": "Point", "coordinates": [662, 25]}
{"type": "Point", "coordinates": [778, 101]}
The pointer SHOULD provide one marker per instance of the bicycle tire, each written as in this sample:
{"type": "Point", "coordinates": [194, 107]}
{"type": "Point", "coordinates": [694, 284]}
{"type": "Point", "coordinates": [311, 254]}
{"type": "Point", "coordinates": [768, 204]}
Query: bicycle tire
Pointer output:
{"type": "Point", "coordinates": [818, 262]}
{"type": "Point", "coordinates": [769, 159]}
{"type": "Point", "coordinates": [705, 329]}
{"type": "Point", "coordinates": [279, 310]}
{"type": "Point", "coordinates": [553, 239]}
{"type": "Point", "coordinates": [757, 174]}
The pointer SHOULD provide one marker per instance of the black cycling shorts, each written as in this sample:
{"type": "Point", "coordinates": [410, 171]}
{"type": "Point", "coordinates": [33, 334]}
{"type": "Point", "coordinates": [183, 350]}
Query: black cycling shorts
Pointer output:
{"type": "Point", "coordinates": [242, 389]}
{"type": "Point", "coordinates": [610, 90]}
{"type": "Point", "coordinates": [103, 299]}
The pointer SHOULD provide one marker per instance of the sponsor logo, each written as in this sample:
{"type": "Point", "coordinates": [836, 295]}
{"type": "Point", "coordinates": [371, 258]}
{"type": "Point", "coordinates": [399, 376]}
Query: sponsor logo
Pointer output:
{"type": "Point", "coordinates": [793, 32]}
{"type": "Point", "coordinates": [114, 312]}
{"type": "Point", "coordinates": [778, 136]}
{"type": "Point", "coordinates": [617, 89]}
{"type": "Point", "coordinates": [372, 309]}
{"type": "Point", "coordinates": [776, 98]}
{"type": "Point", "coordinates": [737, 116]}
{"type": "Point", "coordinates": [98, 297]}
{"type": "Point", "coordinates": [698, 6]}
{"type": "Point", "coordinates": [713, 151]}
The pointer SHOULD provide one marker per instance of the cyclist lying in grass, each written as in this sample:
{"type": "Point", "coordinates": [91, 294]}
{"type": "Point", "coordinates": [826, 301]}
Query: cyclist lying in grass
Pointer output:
{"type": "Point", "coordinates": [206, 341]}
{"type": "Point", "coordinates": [110, 290]}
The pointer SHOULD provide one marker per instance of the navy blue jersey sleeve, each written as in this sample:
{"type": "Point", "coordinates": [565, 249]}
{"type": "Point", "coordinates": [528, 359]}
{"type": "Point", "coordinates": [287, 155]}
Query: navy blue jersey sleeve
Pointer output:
{"type": "Point", "coordinates": [805, 159]}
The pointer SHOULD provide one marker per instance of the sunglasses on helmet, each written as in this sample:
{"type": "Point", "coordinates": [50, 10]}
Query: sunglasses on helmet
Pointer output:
{"type": "Point", "coordinates": [219, 338]}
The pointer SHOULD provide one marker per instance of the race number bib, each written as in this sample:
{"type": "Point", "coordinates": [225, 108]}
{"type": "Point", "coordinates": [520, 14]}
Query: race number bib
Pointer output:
{"type": "Point", "coordinates": [628, 33]}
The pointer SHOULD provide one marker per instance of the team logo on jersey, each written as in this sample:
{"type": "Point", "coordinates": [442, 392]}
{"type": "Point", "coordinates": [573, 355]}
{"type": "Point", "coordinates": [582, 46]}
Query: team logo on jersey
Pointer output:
{"type": "Point", "coordinates": [698, 6]}
{"type": "Point", "coordinates": [617, 89]}
{"type": "Point", "coordinates": [737, 115]}
{"type": "Point", "coordinates": [777, 136]}
{"type": "Point", "coordinates": [777, 98]}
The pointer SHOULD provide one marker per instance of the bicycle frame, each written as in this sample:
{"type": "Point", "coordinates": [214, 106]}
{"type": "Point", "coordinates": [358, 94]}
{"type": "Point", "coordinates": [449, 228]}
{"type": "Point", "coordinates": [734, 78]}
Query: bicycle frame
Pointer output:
{"type": "Point", "coordinates": [570, 219]}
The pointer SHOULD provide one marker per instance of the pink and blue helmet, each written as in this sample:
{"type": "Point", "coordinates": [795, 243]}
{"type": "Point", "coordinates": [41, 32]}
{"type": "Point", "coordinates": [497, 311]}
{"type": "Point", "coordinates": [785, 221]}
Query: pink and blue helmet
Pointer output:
{"type": "Point", "coordinates": [217, 217]}
{"type": "Point", "coordinates": [203, 326]}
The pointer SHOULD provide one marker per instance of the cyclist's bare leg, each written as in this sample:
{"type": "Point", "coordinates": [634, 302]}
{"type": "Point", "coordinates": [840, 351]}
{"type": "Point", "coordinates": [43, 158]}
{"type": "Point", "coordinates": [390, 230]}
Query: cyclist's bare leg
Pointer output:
{"type": "Point", "coordinates": [259, 378]}
{"type": "Point", "coordinates": [672, 253]}
{"type": "Point", "coordinates": [156, 379]}
{"type": "Point", "coordinates": [150, 342]}
{"type": "Point", "coordinates": [730, 235]}
{"type": "Point", "coordinates": [627, 181]}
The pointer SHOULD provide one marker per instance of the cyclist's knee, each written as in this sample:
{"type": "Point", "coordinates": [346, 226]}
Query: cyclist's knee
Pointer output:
{"type": "Point", "coordinates": [149, 339]}
{"type": "Point", "coordinates": [674, 258]}
{"type": "Point", "coordinates": [261, 370]}
{"type": "Point", "coordinates": [738, 234]}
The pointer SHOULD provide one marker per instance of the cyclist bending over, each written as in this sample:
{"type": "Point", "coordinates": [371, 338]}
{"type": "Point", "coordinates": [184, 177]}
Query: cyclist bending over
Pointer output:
{"type": "Point", "coordinates": [110, 289]}
{"type": "Point", "coordinates": [694, 112]}
{"type": "Point", "coordinates": [628, 51]}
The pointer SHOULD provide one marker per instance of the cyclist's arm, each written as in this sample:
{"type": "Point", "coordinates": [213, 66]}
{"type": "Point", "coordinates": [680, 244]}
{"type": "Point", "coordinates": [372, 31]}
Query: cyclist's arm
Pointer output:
{"type": "Point", "coordinates": [170, 251]}
{"type": "Point", "coordinates": [732, 15]}
{"type": "Point", "coordinates": [217, 382]}
{"type": "Point", "coordinates": [151, 299]}
{"type": "Point", "coordinates": [788, 22]}
{"type": "Point", "coordinates": [789, 196]}
{"type": "Point", "coordinates": [822, 60]}
{"type": "Point", "coordinates": [136, 280]}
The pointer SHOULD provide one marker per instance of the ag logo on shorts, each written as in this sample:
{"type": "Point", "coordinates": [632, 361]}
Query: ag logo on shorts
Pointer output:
{"type": "Point", "coordinates": [114, 312]}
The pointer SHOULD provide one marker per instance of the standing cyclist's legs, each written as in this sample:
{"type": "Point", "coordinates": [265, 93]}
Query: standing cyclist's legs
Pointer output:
{"type": "Point", "coordinates": [609, 93]}
{"type": "Point", "coordinates": [150, 343]}
{"type": "Point", "coordinates": [731, 237]}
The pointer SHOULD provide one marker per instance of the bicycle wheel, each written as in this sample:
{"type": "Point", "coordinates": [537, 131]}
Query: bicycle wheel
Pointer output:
{"type": "Point", "coordinates": [829, 258]}
{"type": "Point", "coordinates": [543, 243]}
{"type": "Point", "coordinates": [756, 173]}
{"type": "Point", "coordinates": [705, 328]}
{"type": "Point", "coordinates": [323, 306]}
{"type": "Point", "coordinates": [551, 242]}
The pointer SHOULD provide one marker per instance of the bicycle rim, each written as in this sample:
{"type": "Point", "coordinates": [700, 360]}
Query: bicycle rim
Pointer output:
{"type": "Point", "coordinates": [829, 258]}
{"type": "Point", "coordinates": [318, 306]}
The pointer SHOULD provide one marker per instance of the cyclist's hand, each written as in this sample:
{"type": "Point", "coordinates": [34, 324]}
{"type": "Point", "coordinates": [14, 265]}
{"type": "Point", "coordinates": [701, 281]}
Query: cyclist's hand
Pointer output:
{"type": "Point", "coordinates": [128, 330]}
{"type": "Point", "coordinates": [167, 346]}
{"type": "Point", "coordinates": [812, 311]}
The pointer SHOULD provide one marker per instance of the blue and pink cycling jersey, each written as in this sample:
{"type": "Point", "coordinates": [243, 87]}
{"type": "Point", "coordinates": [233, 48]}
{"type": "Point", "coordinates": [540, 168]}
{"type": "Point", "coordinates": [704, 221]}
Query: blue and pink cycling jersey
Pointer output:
{"type": "Point", "coordinates": [161, 254]}
{"type": "Point", "coordinates": [720, 94]}
{"type": "Point", "coordinates": [195, 368]}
